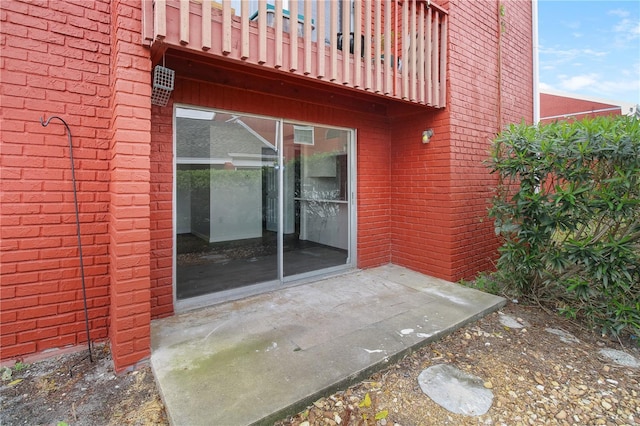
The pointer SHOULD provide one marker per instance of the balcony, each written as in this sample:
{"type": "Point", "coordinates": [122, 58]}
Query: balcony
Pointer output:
{"type": "Point", "coordinates": [342, 43]}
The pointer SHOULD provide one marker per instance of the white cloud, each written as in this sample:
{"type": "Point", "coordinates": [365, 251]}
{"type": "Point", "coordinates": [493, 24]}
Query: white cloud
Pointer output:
{"type": "Point", "coordinates": [570, 54]}
{"type": "Point", "coordinates": [544, 87]}
{"type": "Point", "coordinates": [619, 12]}
{"type": "Point", "coordinates": [574, 25]}
{"type": "Point", "coordinates": [616, 88]}
{"type": "Point", "coordinates": [621, 86]}
{"type": "Point", "coordinates": [630, 30]}
{"type": "Point", "coordinates": [578, 82]}
{"type": "Point", "coordinates": [627, 28]}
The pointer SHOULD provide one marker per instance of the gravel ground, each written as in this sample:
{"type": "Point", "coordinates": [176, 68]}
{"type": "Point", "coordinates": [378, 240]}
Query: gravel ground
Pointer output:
{"type": "Point", "coordinates": [537, 377]}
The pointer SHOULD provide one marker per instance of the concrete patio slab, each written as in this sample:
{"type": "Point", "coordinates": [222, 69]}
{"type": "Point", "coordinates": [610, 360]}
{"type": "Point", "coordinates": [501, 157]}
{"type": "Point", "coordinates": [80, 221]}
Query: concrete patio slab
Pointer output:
{"type": "Point", "coordinates": [259, 359]}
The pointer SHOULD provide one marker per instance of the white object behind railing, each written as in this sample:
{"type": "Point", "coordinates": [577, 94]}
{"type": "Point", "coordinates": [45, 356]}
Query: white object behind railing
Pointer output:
{"type": "Point", "coordinates": [287, 40]}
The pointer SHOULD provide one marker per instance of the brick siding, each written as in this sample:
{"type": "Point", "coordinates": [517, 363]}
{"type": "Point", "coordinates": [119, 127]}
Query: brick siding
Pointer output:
{"type": "Point", "coordinates": [419, 205]}
{"type": "Point", "coordinates": [442, 190]}
{"type": "Point", "coordinates": [129, 207]}
{"type": "Point", "coordinates": [55, 61]}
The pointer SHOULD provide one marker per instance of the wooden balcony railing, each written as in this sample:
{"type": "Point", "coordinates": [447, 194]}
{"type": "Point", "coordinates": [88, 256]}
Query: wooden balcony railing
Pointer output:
{"type": "Point", "coordinates": [272, 37]}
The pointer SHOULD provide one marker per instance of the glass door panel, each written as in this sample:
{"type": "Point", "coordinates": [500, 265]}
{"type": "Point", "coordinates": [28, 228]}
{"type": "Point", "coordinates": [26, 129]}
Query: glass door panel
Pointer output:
{"type": "Point", "coordinates": [248, 212]}
{"type": "Point", "coordinates": [226, 201]}
{"type": "Point", "coordinates": [316, 198]}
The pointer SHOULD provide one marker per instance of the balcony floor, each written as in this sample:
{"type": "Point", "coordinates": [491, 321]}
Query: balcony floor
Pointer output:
{"type": "Point", "coordinates": [262, 358]}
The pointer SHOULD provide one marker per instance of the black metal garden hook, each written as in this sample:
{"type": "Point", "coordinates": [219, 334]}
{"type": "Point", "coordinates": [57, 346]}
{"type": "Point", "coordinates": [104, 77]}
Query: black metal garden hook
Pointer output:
{"type": "Point", "coordinates": [75, 199]}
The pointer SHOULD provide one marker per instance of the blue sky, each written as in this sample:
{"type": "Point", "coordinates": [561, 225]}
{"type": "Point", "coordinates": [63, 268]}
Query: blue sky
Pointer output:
{"type": "Point", "coordinates": [590, 48]}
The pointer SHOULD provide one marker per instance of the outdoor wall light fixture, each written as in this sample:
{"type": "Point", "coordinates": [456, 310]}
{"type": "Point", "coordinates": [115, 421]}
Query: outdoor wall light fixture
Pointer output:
{"type": "Point", "coordinates": [427, 135]}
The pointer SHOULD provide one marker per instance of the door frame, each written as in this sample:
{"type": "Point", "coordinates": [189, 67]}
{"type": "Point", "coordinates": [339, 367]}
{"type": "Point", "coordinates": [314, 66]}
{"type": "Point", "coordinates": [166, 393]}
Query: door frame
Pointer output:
{"type": "Point", "coordinates": [183, 305]}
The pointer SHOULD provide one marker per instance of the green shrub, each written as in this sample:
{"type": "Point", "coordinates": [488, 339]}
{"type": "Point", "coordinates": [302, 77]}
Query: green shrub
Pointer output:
{"type": "Point", "coordinates": [568, 208]}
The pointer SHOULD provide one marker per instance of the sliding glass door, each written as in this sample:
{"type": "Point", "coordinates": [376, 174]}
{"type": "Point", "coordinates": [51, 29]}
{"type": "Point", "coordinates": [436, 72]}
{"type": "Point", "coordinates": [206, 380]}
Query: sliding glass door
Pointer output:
{"type": "Point", "coordinates": [316, 197]}
{"type": "Point", "coordinates": [257, 200]}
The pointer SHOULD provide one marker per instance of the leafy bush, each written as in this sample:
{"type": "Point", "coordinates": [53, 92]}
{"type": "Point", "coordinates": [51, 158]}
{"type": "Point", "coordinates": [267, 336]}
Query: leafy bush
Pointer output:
{"type": "Point", "coordinates": [568, 208]}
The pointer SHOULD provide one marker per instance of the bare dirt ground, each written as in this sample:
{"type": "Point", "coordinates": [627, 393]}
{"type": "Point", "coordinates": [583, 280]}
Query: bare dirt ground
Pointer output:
{"type": "Point", "coordinates": [536, 377]}
{"type": "Point", "coordinates": [71, 390]}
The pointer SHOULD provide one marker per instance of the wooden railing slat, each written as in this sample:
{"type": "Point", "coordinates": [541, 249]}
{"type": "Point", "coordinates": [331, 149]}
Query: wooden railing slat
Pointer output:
{"type": "Point", "coordinates": [160, 20]}
{"type": "Point", "coordinates": [206, 25]}
{"type": "Point", "coordinates": [184, 22]}
{"type": "Point", "coordinates": [245, 43]}
{"type": "Point", "coordinates": [397, 48]}
{"type": "Point", "coordinates": [443, 62]}
{"type": "Point", "coordinates": [262, 32]}
{"type": "Point", "coordinates": [321, 34]}
{"type": "Point", "coordinates": [406, 43]}
{"type": "Point", "coordinates": [367, 45]}
{"type": "Point", "coordinates": [428, 56]}
{"type": "Point", "coordinates": [420, 59]}
{"type": "Point", "coordinates": [413, 45]}
{"type": "Point", "coordinates": [278, 29]}
{"type": "Point", "coordinates": [307, 37]}
{"type": "Point", "coordinates": [293, 35]}
{"type": "Point", "coordinates": [333, 55]}
{"type": "Point", "coordinates": [377, 47]}
{"type": "Point", "coordinates": [226, 27]}
{"type": "Point", "coordinates": [390, 61]}
{"type": "Point", "coordinates": [345, 30]}
{"type": "Point", "coordinates": [147, 22]}
{"type": "Point", "coordinates": [434, 60]}
{"type": "Point", "coordinates": [357, 44]}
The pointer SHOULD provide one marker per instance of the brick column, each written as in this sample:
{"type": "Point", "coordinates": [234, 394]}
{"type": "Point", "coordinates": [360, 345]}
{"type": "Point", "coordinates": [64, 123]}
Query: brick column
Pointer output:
{"type": "Point", "coordinates": [129, 229]}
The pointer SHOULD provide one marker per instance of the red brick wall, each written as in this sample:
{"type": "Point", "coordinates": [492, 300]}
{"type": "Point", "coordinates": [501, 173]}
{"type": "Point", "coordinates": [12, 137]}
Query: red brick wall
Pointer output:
{"type": "Point", "coordinates": [129, 207]}
{"type": "Point", "coordinates": [441, 190]}
{"type": "Point", "coordinates": [491, 85]}
{"type": "Point", "coordinates": [161, 211]}
{"type": "Point", "coordinates": [516, 92]}
{"type": "Point", "coordinates": [423, 206]}
{"type": "Point", "coordinates": [54, 61]}
{"type": "Point", "coordinates": [421, 211]}
{"type": "Point", "coordinates": [62, 58]}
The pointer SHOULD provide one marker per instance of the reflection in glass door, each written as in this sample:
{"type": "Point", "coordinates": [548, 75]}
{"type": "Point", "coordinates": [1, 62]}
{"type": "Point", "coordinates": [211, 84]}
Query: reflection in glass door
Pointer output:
{"type": "Point", "coordinates": [257, 200]}
{"type": "Point", "coordinates": [317, 196]}
{"type": "Point", "coordinates": [224, 201]}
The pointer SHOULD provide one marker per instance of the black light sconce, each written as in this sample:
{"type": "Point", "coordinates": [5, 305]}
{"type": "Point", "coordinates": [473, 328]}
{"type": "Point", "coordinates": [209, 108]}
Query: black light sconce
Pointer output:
{"type": "Point", "coordinates": [427, 135]}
